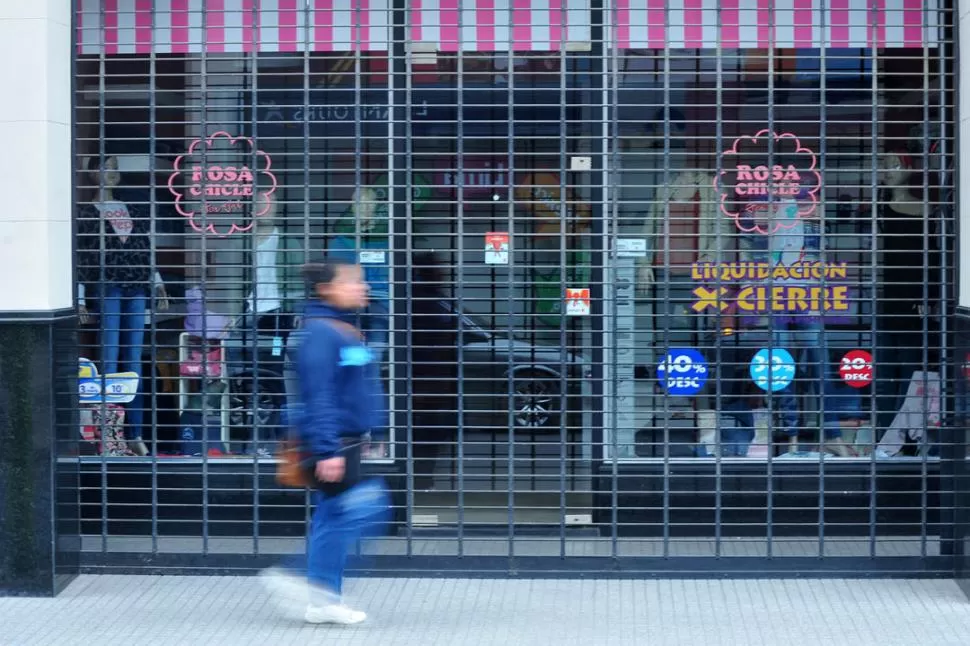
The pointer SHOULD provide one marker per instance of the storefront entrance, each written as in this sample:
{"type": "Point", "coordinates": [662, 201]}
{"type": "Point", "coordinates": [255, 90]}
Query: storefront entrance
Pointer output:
{"type": "Point", "coordinates": [497, 222]}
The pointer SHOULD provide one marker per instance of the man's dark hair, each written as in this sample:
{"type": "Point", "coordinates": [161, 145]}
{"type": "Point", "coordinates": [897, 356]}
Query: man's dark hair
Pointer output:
{"type": "Point", "coordinates": [321, 273]}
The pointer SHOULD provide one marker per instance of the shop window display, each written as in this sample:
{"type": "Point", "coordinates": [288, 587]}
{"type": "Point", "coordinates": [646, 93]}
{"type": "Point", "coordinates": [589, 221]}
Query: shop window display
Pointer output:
{"type": "Point", "coordinates": [745, 227]}
{"type": "Point", "coordinates": [116, 281]}
{"type": "Point", "coordinates": [755, 200]}
{"type": "Point", "coordinates": [769, 265]}
{"type": "Point", "coordinates": [223, 215]}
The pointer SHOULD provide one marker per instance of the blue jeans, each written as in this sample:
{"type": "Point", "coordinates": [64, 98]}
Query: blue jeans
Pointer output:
{"type": "Point", "coordinates": [123, 340]}
{"type": "Point", "coordinates": [803, 337]}
{"type": "Point", "coordinates": [338, 523]}
{"type": "Point", "coordinates": [737, 429]}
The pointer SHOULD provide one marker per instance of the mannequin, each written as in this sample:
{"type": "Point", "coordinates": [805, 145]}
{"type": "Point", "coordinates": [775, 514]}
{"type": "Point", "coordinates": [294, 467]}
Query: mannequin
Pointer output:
{"type": "Point", "coordinates": [122, 233]}
{"type": "Point", "coordinates": [682, 226]}
{"type": "Point", "coordinates": [265, 301]}
{"type": "Point", "coordinates": [902, 290]}
{"type": "Point", "coordinates": [367, 217]}
{"type": "Point", "coordinates": [696, 231]}
{"type": "Point", "coordinates": [791, 239]}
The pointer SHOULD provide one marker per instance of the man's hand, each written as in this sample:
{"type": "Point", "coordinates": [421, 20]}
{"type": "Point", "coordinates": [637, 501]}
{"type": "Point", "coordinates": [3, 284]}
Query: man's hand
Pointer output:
{"type": "Point", "coordinates": [331, 469]}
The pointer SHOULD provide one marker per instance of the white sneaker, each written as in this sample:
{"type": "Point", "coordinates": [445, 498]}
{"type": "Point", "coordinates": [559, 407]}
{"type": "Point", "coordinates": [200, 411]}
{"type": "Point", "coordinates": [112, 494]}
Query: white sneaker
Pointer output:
{"type": "Point", "coordinates": [289, 592]}
{"type": "Point", "coordinates": [285, 586]}
{"type": "Point", "coordinates": [334, 614]}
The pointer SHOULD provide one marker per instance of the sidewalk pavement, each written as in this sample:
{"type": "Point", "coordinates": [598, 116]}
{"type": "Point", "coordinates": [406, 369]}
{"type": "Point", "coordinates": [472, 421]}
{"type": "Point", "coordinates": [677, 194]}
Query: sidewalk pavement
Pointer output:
{"type": "Point", "coordinates": [211, 611]}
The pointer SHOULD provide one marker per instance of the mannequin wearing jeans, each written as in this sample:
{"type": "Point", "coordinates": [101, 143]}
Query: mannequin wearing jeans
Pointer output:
{"type": "Point", "coordinates": [114, 255]}
{"type": "Point", "coordinates": [791, 240]}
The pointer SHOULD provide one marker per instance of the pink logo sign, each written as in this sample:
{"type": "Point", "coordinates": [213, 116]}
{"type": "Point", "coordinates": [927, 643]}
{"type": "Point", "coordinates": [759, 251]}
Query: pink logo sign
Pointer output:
{"type": "Point", "coordinates": [215, 183]}
{"type": "Point", "coordinates": [764, 170]}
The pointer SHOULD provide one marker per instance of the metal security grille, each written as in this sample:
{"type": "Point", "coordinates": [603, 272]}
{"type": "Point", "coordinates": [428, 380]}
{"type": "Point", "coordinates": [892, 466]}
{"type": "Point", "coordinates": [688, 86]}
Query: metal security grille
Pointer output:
{"type": "Point", "coordinates": [655, 287]}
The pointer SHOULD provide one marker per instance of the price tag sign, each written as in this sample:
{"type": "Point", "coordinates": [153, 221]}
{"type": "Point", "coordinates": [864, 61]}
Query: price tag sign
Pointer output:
{"type": "Point", "coordinates": [497, 248]}
{"type": "Point", "coordinates": [631, 248]}
{"type": "Point", "coordinates": [119, 388]}
{"type": "Point", "coordinates": [577, 302]}
{"type": "Point", "coordinates": [373, 257]}
{"type": "Point", "coordinates": [682, 372]}
{"type": "Point", "coordinates": [772, 369]}
{"type": "Point", "coordinates": [856, 368]}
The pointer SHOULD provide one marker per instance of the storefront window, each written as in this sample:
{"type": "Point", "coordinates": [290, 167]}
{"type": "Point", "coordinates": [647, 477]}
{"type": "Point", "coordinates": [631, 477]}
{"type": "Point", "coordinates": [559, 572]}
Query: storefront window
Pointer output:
{"type": "Point", "coordinates": [219, 178]}
{"type": "Point", "coordinates": [782, 214]}
{"type": "Point", "coordinates": [775, 219]}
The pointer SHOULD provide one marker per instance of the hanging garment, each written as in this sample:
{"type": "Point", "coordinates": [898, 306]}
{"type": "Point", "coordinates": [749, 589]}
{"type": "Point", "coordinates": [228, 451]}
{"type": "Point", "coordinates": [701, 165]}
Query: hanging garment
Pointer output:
{"type": "Point", "coordinates": [677, 243]}
{"type": "Point", "coordinates": [202, 323]}
{"type": "Point", "coordinates": [697, 231]}
{"type": "Point", "coordinates": [920, 410]}
{"type": "Point", "coordinates": [265, 296]}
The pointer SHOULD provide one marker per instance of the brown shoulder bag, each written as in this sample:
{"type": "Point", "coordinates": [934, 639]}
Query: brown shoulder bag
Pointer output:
{"type": "Point", "coordinates": [291, 459]}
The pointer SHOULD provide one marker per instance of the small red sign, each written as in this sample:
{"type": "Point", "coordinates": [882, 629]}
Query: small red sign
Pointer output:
{"type": "Point", "coordinates": [577, 302]}
{"type": "Point", "coordinates": [497, 248]}
{"type": "Point", "coordinates": [856, 368]}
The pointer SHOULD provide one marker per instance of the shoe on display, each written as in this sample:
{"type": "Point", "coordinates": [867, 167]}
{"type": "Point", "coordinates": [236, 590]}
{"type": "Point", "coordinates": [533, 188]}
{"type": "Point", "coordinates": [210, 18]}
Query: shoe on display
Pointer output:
{"type": "Point", "coordinates": [335, 613]}
{"type": "Point", "coordinates": [138, 447]}
{"type": "Point", "coordinates": [839, 448]}
{"type": "Point", "coordinates": [803, 455]}
{"type": "Point", "coordinates": [882, 455]}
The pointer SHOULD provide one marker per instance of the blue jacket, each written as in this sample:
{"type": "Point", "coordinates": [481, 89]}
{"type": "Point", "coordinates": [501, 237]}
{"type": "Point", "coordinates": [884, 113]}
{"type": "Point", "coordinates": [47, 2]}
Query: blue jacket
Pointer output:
{"type": "Point", "coordinates": [339, 388]}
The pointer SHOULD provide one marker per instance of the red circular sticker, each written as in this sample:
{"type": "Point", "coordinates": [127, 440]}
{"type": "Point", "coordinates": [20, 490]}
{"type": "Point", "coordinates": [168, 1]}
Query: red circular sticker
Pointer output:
{"type": "Point", "coordinates": [856, 368]}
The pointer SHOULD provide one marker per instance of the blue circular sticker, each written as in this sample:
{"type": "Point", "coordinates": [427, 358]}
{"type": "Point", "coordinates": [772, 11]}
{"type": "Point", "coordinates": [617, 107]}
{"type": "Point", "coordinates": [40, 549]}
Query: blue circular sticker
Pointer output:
{"type": "Point", "coordinates": [682, 372]}
{"type": "Point", "coordinates": [772, 369]}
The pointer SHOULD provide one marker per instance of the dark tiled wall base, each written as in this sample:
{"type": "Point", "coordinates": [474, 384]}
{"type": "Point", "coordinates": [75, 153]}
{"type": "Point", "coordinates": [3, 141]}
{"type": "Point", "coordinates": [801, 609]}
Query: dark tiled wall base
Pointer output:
{"type": "Point", "coordinates": [39, 514]}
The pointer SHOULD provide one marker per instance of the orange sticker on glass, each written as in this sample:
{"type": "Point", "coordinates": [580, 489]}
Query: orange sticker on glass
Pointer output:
{"type": "Point", "coordinates": [497, 248]}
{"type": "Point", "coordinates": [577, 302]}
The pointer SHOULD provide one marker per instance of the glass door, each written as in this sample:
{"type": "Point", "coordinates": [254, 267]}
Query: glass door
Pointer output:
{"type": "Point", "coordinates": [496, 233]}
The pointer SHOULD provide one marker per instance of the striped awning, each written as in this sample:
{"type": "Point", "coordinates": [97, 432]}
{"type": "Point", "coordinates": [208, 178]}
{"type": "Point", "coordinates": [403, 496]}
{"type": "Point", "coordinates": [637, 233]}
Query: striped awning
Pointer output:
{"type": "Point", "coordinates": [501, 25]}
{"type": "Point", "coordinates": [233, 26]}
{"type": "Point", "coordinates": [733, 24]}
{"type": "Point", "coordinates": [226, 26]}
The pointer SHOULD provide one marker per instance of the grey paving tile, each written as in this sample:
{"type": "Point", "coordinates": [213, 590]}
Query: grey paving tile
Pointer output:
{"type": "Point", "coordinates": [176, 611]}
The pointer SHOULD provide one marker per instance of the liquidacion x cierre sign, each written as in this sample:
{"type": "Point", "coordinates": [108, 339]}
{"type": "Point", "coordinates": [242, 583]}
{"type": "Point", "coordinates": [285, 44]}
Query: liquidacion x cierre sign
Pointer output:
{"type": "Point", "coordinates": [801, 287]}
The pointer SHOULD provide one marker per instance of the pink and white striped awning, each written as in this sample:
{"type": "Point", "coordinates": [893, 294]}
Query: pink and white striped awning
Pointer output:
{"type": "Point", "coordinates": [500, 25]}
{"type": "Point", "coordinates": [733, 24]}
{"type": "Point", "coordinates": [233, 26]}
